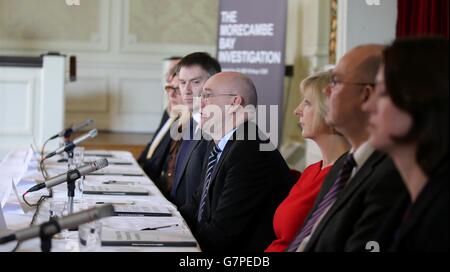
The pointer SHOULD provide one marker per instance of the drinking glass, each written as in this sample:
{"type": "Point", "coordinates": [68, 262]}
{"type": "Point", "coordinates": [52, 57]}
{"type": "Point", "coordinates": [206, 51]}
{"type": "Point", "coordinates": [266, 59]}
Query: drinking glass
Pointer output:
{"type": "Point", "coordinates": [89, 235]}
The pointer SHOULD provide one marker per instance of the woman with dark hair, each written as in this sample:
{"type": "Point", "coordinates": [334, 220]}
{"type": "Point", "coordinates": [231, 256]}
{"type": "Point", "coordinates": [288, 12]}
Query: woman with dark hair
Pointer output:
{"type": "Point", "coordinates": [409, 120]}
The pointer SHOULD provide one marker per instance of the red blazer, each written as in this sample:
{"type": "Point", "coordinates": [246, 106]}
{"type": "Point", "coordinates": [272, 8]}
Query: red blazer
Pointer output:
{"type": "Point", "coordinates": [291, 213]}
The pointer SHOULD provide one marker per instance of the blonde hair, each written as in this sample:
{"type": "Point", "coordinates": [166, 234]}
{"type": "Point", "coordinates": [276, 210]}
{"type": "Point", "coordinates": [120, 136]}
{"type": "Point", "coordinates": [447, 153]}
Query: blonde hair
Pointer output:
{"type": "Point", "coordinates": [316, 84]}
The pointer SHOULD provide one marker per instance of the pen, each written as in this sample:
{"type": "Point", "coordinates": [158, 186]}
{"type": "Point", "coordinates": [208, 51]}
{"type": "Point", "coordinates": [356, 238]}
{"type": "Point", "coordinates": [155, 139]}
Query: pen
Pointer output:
{"type": "Point", "coordinates": [99, 155]}
{"type": "Point", "coordinates": [118, 182]}
{"type": "Point", "coordinates": [161, 227]}
{"type": "Point", "coordinates": [115, 203]}
{"type": "Point", "coordinates": [116, 193]}
{"type": "Point", "coordinates": [115, 174]}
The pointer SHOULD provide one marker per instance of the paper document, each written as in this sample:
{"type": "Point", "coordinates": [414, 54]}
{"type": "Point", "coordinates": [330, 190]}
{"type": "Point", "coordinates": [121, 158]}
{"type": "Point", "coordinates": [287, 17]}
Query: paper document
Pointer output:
{"type": "Point", "coordinates": [23, 205]}
{"type": "Point", "coordinates": [13, 168]}
{"type": "Point", "coordinates": [114, 190]}
{"type": "Point", "coordinates": [2, 220]}
{"type": "Point", "coordinates": [111, 161]}
{"type": "Point", "coordinates": [98, 153]}
{"type": "Point", "coordinates": [112, 172]}
{"type": "Point", "coordinates": [147, 238]}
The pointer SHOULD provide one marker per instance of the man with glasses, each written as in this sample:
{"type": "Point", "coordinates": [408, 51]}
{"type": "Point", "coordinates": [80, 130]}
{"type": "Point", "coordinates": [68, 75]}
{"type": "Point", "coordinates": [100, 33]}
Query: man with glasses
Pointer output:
{"type": "Point", "coordinates": [154, 158]}
{"type": "Point", "coordinates": [242, 185]}
{"type": "Point", "coordinates": [363, 184]}
{"type": "Point", "coordinates": [194, 70]}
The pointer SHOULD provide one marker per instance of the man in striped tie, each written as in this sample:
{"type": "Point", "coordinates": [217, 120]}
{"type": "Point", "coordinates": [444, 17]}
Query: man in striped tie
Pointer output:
{"type": "Point", "coordinates": [242, 184]}
{"type": "Point", "coordinates": [363, 184]}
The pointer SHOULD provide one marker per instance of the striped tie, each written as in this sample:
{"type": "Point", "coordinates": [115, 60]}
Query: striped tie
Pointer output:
{"type": "Point", "coordinates": [326, 202]}
{"type": "Point", "coordinates": [212, 161]}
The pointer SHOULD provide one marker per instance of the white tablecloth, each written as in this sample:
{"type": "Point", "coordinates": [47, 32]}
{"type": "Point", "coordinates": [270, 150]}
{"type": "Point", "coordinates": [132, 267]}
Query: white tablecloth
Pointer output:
{"type": "Point", "coordinates": [16, 218]}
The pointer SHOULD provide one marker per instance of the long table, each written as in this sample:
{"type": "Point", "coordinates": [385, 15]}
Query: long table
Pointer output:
{"type": "Point", "coordinates": [123, 169]}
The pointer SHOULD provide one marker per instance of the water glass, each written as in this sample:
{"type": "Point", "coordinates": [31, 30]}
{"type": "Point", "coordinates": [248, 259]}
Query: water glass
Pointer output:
{"type": "Point", "coordinates": [78, 160]}
{"type": "Point", "coordinates": [62, 143]}
{"type": "Point", "coordinates": [58, 208]}
{"type": "Point", "coordinates": [89, 235]}
{"type": "Point", "coordinates": [78, 156]}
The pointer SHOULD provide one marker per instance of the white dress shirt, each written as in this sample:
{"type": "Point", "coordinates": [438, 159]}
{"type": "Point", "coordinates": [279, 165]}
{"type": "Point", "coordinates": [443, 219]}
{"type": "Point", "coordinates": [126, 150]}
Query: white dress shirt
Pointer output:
{"type": "Point", "coordinates": [223, 142]}
{"type": "Point", "coordinates": [197, 118]}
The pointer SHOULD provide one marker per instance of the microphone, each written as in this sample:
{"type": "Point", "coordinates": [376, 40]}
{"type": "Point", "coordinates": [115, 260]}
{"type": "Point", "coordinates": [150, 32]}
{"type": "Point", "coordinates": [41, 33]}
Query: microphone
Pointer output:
{"type": "Point", "coordinates": [52, 227]}
{"type": "Point", "coordinates": [70, 146]}
{"type": "Point", "coordinates": [71, 174]}
{"type": "Point", "coordinates": [68, 131]}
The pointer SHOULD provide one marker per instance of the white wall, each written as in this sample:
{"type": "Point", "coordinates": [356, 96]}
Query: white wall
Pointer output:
{"type": "Point", "coordinates": [307, 48]}
{"type": "Point", "coordinates": [360, 23]}
{"type": "Point", "coordinates": [120, 46]}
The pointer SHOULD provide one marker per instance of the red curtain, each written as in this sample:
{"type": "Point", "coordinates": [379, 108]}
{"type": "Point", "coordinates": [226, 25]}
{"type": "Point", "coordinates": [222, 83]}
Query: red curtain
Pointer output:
{"type": "Point", "coordinates": [422, 17]}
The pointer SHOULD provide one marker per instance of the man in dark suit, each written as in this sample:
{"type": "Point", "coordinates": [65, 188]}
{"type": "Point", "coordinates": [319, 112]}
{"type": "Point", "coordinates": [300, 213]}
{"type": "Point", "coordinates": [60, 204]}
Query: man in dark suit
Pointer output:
{"type": "Point", "coordinates": [242, 184]}
{"type": "Point", "coordinates": [153, 166]}
{"type": "Point", "coordinates": [194, 70]}
{"type": "Point", "coordinates": [154, 158]}
{"type": "Point", "coordinates": [188, 166]}
{"type": "Point", "coordinates": [363, 184]}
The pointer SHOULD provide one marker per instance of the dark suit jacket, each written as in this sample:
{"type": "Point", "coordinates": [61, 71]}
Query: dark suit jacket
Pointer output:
{"type": "Point", "coordinates": [153, 167]}
{"type": "Point", "coordinates": [247, 185]}
{"type": "Point", "coordinates": [360, 209]}
{"type": "Point", "coordinates": [187, 179]}
{"type": "Point", "coordinates": [425, 225]}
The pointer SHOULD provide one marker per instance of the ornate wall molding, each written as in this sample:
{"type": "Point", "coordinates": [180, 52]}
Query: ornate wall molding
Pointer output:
{"type": "Point", "coordinates": [88, 94]}
{"type": "Point", "coordinates": [333, 31]}
{"type": "Point", "coordinates": [22, 34]}
{"type": "Point", "coordinates": [130, 93]}
{"type": "Point", "coordinates": [119, 56]}
{"type": "Point", "coordinates": [181, 25]}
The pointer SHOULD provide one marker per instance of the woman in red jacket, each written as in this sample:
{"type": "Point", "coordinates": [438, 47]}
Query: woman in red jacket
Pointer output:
{"type": "Point", "coordinates": [291, 213]}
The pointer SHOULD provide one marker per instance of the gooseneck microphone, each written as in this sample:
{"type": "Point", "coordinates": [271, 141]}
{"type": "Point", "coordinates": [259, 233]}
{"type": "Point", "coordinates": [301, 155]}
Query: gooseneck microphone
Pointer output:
{"type": "Point", "coordinates": [68, 131]}
{"type": "Point", "coordinates": [71, 174]}
{"type": "Point", "coordinates": [53, 227]}
{"type": "Point", "coordinates": [71, 145]}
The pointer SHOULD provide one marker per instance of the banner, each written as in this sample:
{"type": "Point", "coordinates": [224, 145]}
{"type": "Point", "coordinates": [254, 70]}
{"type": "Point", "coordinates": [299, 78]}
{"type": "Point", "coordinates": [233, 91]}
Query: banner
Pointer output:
{"type": "Point", "coordinates": [252, 37]}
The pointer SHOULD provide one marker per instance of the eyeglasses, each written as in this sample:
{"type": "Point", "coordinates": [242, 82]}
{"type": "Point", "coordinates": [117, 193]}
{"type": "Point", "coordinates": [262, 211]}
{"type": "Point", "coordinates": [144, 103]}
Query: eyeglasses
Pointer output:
{"type": "Point", "coordinates": [206, 96]}
{"type": "Point", "coordinates": [170, 88]}
{"type": "Point", "coordinates": [335, 82]}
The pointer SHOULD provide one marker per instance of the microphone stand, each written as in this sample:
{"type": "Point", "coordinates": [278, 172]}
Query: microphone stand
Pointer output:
{"type": "Point", "coordinates": [46, 232]}
{"type": "Point", "coordinates": [70, 183]}
{"type": "Point", "coordinates": [66, 142]}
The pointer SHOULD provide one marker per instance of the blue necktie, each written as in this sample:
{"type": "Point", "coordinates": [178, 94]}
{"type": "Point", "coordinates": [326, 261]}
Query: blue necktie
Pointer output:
{"type": "Point", "coordinates": [326, 202]}
{"type": "Point", "coordinates": [212, 161]}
